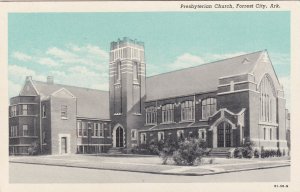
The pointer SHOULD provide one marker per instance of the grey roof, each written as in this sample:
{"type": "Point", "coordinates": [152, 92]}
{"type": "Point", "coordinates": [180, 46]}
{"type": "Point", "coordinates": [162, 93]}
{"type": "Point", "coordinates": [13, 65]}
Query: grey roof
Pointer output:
{"type": "Point", "coordinates": [91, 103]}
{"type": "Point", "coordinates": [202, 78]}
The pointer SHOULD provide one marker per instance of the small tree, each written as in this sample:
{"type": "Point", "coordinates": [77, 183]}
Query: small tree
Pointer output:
{"type": "Point", "coordinates": [189, 151]}
{"type": "Point", "coordinates": [167, 148]}
{"type": "Point", "coordinates": [34, 148]}
{"type": "Point", "coordinates": [248, 148]}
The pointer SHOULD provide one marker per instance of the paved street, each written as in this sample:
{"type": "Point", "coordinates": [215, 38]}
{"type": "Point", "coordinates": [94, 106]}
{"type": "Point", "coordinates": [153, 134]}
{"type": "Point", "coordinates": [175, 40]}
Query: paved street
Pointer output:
{"type": "Point", "coordinates": [29, 173]}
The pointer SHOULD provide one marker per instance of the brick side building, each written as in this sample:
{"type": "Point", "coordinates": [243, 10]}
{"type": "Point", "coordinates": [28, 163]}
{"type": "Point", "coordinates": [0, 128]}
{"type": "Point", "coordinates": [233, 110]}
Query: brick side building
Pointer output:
{"type": "Point", "coordinates": [59, 119]}
{"type": "Point", "coordinates": [222, 102]}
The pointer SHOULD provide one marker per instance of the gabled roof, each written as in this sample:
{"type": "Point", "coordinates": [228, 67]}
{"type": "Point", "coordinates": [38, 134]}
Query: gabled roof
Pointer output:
{"type": "Point", "coordinates": [91, 103]}
{"type": "Point", "coordinates": [202, 78]}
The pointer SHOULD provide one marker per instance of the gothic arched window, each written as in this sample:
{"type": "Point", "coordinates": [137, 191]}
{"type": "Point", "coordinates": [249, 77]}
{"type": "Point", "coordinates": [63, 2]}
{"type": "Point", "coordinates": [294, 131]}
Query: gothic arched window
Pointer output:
{"type": "Point", "coordinates": [151, 114]}
{"type": "Point", "coordinates": [168, 113]}
{"type": "Point", "coordinates": [209, 107]}
{"type": "Point", "coordinates": [135, 71]}
{"type": "Point", "coordinates": [267, 100]}
{"type": "Point", "coordinates": [118, 71]}
{"type": "Point", "coordinates": [187, 111]}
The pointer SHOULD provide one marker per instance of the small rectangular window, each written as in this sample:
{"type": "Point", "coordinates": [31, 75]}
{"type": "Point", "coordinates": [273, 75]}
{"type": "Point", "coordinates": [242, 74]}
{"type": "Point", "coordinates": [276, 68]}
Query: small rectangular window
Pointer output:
{"type": "Point", "coordinates": [24, 109]}
{"type": "Point", "coordinates": [96, 130]}
{"type": "Point", "coordinates": [64, 111]}
{"type": "Point", "coordinates": [160, 136]}
{"type": "Point", "coordinates": [84, 129]}
{"type": "Point", "coordinates": [13, 111]}
{"type": "Point", "coordinates": [180, 134]}
{"type": "Point", "coordinates": [44, 137]}
{"type": "Point", "coordinates": [44, 111]}
{"type": "Point", "coordinates": [79, 129]}
{"type": "Point", "coordinates": [101, 132]}
{"type": "Point", "coordinates": [25, 130]}
{"type": "Point", "coordinates": [133, 134]}
{"type": "Point", "coordinates": [143, 138]}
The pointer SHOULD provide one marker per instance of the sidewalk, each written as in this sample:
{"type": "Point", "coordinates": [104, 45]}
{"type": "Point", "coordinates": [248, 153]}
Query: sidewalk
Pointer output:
{"type": "Point", "coordinates": [151, 164]}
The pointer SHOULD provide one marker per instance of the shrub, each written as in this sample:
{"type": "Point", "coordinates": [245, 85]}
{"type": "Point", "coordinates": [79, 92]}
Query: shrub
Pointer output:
{"type": "Point", "coordinates": [167, 149]}
{"type": "Point", "coordinates": [238, 152]}
{"type": "Point", "coordinates": [248, 151]}
{"type": "Point", "coordinates": [256, 153]}
{"type": "Point", "coordinates": [34, 148]}
{"type": "Point", "coordinates": [153, 148]}
{"type": "Point", "coordinates": [189, 151]}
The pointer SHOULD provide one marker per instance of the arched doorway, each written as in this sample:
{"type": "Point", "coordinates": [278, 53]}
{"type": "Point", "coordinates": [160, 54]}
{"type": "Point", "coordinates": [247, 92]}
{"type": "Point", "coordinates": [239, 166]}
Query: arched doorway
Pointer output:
{"type": "Point", "coordinates": [224, 134]}
{"type": "Point", "coordinates": [119, 137]}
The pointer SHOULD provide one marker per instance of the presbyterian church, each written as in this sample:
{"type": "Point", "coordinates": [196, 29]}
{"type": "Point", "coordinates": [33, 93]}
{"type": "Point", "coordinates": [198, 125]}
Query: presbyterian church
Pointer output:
{"type": "Point", "coordinates": [223, 102]}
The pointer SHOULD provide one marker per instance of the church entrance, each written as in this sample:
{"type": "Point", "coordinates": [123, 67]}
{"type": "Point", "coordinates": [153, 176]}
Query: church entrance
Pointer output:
{"type": "Point", "coordinates": [224, 135]}
{"type": "Point", "coordinates": [119, 137]}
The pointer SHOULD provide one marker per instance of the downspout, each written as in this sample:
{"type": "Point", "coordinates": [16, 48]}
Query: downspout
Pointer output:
{"type": "Point", "coordinates": [40, 119]}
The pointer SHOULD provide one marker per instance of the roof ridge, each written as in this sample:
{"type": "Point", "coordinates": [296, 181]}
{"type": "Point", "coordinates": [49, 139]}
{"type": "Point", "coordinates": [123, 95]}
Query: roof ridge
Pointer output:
{"type": "Point", "coordinates": [68, 86]}
{"type": "Point", "coordinates": [212, 62]}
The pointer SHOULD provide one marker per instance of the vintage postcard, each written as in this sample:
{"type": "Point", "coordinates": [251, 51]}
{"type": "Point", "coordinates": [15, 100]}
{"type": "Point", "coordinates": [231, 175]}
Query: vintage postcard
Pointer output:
{"type": "Point", "coordinates": [154, 96]}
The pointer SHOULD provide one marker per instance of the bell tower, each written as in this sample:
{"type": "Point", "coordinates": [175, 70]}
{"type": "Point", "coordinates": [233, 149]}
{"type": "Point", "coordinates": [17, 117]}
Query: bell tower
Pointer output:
{"type": "Point", "coordinates": [126, 91]}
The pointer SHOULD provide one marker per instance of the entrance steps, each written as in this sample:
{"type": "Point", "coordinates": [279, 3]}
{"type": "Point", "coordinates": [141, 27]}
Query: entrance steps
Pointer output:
{"type": "Point", "coordinates": [224, 152]}
{"type": "Point", "coordinates": [115, 151]}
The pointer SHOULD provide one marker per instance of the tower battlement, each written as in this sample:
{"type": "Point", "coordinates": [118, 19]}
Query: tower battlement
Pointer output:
{"type": "Point", "coordinates": [126, 41]}
{"type": "Point", "coordinates": [127, 49]}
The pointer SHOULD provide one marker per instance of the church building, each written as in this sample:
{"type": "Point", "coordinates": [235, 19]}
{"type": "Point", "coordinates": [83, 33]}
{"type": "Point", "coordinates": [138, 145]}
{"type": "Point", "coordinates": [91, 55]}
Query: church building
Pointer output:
{"type": "Point", "coordinates": [223, 102]}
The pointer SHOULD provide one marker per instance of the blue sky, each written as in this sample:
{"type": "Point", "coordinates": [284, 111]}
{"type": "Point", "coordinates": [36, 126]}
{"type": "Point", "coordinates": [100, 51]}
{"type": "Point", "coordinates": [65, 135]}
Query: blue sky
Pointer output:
{"type": "Point", "coordinates": [73, 47]}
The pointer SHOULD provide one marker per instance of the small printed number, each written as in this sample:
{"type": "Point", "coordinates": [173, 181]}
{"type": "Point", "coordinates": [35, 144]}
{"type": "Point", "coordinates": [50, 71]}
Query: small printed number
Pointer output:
{"type": "Point", "coordinates": [281, 186]}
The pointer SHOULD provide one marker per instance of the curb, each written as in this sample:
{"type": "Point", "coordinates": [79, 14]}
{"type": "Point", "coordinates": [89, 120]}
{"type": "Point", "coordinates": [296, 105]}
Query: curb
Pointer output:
{"type": "Point", "coordinates": [155, 172]}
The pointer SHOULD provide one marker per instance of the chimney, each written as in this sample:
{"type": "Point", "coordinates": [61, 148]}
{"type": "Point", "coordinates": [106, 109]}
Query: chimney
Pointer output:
{"type": "Point", "coordinates": [50, 80]}
{"type": "Point", "coordinates": [28, 78]}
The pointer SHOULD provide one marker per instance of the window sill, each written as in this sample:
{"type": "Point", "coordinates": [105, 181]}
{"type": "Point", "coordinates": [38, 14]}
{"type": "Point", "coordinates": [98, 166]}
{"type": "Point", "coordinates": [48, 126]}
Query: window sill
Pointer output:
{"type": "Point", "coordinates": [64, 118]}
{"type": "Point", "coordinates": [147, 124]}
{"type": "Point", "coordinates": [138, 114]}
{"type": "Point", "coordinates": [164, 123]}
{"type": "Point", "coordinates": [117, 114]}
{"type": "Point", "coordinates": [267, 123]}
{"type": "Point", "coordinates": [202, 120]}
{"type": "Point", "coordinates": [187, 121]}
{"type": "Point", "coordinates": [23, 137]}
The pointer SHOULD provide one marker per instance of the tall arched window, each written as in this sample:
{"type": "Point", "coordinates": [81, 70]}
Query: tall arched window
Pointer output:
{"type": "Point", "coordinates": [135, 70]}
{"type": "Point", "coordinates": [168, 113]}
{"type": "Point", "coordinates": [118, 71]}
{"type": "Point", "coordinates": [267, 100]}
{"type": "Point", "coordinates": [187, 111]}
{"type": "Point", "coordinates": [151, 114]}
{"type": "Point", "coordinates": [209, 107]}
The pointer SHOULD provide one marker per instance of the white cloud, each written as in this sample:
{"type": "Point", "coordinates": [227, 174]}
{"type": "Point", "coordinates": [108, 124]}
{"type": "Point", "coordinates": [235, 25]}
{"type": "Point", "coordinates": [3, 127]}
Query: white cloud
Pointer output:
{"type": "Point", "coordinates": [17, 76]}
{"type": "Point", "coordinates": [87, 55]}
{"type": "Point", "coordinates": [83, 66]}
{"type": "Point", "coordinates": [48, 62]}
{"type": "Point", "coordinates": [186, 60]}
{"type": "Point", "coordinates": [216, 57]}
{"type": "Point", "coordinates": [62, 55]}
{"type": "Point", "coordinates": [21, 56]}
{"type": "Point", "coordinates": [280, 58]}
{"type": "Point", "coordinates": [13, 88]}
{"type": "Point", "coordinates": [81, 70]}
